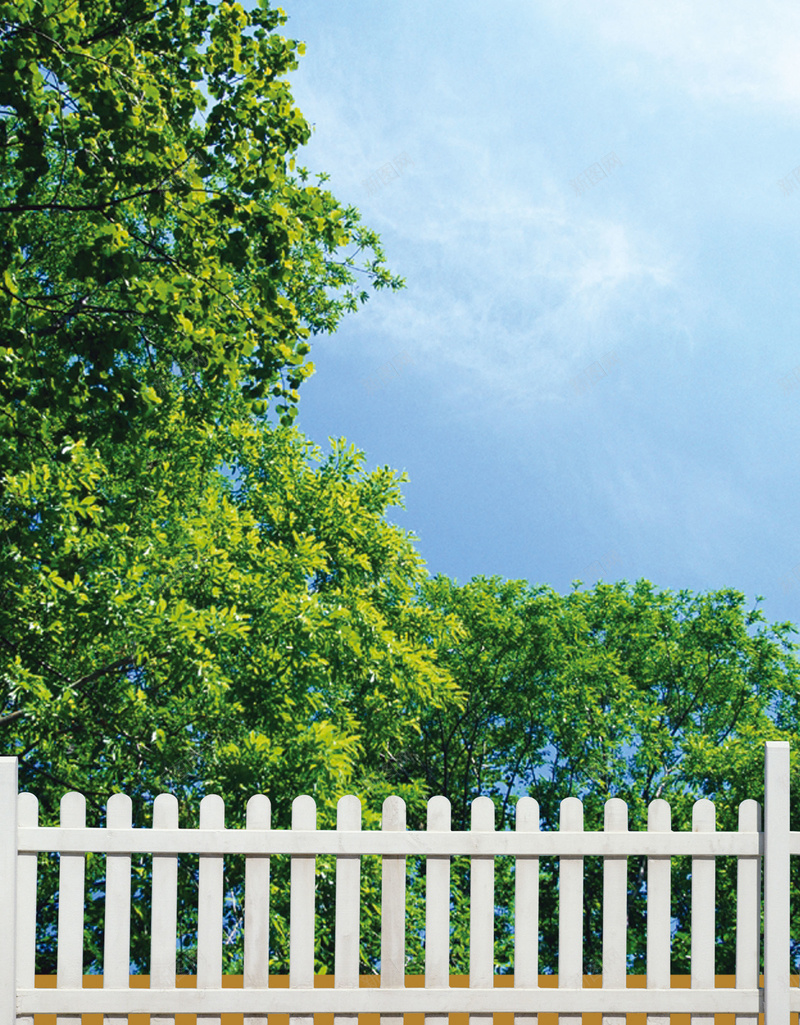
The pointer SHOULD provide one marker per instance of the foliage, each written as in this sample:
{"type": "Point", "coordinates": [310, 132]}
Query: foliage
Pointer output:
{"type": "Point", "coordinates": [189, 603]}
{"type": "Point", "coordinates": [621, 691]}
{"type": "Point", "coordinates": [174, 627]}
{"type": "Point", "coordinates": [151, 223]}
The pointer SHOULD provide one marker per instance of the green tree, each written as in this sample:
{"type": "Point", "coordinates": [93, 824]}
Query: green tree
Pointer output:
{"type": "Point", "coordinates": [620, 691]}
{"type": "Point", "coordinates": [151, 223]}
{"type": "Point", "coordinates": [171, 626]}
{"type": "Point", "coordinates": [188, 602]}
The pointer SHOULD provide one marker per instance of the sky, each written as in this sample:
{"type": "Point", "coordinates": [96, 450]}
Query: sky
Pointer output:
{"type": "Point", "coordinates": [594, 371]}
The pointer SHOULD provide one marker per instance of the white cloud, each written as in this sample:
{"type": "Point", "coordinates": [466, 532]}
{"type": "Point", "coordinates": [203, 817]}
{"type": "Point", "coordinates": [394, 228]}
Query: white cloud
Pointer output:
{"type": "Point", "coordinates": [732, 50]}
{"type": "Point", "coordinates": [515, 299]}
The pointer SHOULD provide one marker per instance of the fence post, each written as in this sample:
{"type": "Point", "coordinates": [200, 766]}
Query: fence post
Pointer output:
{"type": "Point", "coordinates": [748, 910]}
{"type": "Point", "coordinates": [393, 908]}
{"type": "Point", "coordinates": [8, 890]}
{"type": "Point", "coordinates": [437, 908]}
{"type": "Point", "coordinates": [210, 904]}
{"type": "Point", "coordinates": [776, 883]}
{"type": "Point", "coordinates": [659, 904]}
{"type": "Point", "coordinates": [347, 934]}
{"type": "Point", "coordinates": [703, 908]}
{"type": "Point", "coordinates": [71, 905]}
{"type": "Point", "coordinates": [615, 908]}
{"type": "Point", "coordinates": [570, 909]}
{"type": "Point", "coordinates": [302, 897]}
{"type": "Point", "coordinates": [481, 909]}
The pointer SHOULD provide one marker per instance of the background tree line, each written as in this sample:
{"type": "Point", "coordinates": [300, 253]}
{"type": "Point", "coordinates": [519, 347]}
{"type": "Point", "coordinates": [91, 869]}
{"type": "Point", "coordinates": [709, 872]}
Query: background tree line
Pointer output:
{"type": "Point", "coordinates": [194, 599]}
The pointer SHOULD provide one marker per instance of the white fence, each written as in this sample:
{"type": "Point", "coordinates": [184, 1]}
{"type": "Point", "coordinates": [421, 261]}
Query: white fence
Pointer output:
{"type": "Point", "coordinates": [22, 839]}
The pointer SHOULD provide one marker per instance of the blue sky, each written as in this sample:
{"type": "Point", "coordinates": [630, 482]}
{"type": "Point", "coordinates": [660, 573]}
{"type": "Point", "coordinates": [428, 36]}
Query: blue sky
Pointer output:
{"type": "Point", "coordinates": [594, 370]}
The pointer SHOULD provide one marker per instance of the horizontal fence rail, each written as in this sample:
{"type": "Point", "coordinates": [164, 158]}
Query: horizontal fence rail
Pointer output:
{"type": "Point", "coordinates": [328, 982]}
{"type": "Point", "coordinates": [388, 1001]}
{"type": "Point", "coordinates": [412, 843]}
{"type": "Point", "coordinates": [755, 849]}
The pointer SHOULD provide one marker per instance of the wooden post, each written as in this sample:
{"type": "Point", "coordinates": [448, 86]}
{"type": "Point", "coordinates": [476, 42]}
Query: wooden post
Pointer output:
{"type": "Point", "coordinates": [348, 907]}
{"type": "Point", "coordinates": [570, 909]}
{"type": "Point", "coordinates": [164, 907]}
{"type": "Point", "coordinates": [748, 910]}
{"type": "Point", "coordinates": [210, 896]}
{"type": "Point", "coordinates": [481, 909]}
{"type": "Point", "coordinates": [301, 907]}
{"type": "Point", "coordinates": [526, 909]}
{"type": "Point", "coordinates": [256, 907]}
{"type": "Point", "coordinates": [659, 896]}
{"type": "Point", "coordinates": [703, 908]}
{"type": "Point", "coordinates": [393, 908]}
{"type": "Point", "coordinates": [615, 908]}
{"type": "Point", "coordinates": [437, 908]}
{"type": "Point", "coordinates": [27, 869]}
{"type": "Point", "coordinates": [71, 887]}
{"type": "Point", "coordinates": [8, 890]}
{"type": "Point", "coordinates": [776, 883]}
{"type": "Point", "coordinates": [117, 938]}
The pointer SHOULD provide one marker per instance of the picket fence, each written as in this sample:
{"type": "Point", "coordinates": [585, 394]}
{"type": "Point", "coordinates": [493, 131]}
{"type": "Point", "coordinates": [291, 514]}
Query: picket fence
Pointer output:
{"type": "Point", "coordinates": [22, 839]}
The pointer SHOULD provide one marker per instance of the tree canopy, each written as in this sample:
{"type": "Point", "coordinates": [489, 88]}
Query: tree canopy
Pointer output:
{"type": "Point", "coordinates": [624, 690]}
{"type": "Point", "coordinates": [169, 626]}
{"type": "Point", "coordinates": [151, 221]}
{"type": "Point", "coordinates": [163, 269]}
{"type": "Point", "coordinates": [265, 618]}
{"type": "Point", "coordinates": [193, 599]}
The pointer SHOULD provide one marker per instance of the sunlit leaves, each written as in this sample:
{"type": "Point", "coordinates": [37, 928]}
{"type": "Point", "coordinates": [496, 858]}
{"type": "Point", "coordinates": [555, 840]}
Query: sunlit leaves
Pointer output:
{"type": "Point", "coordinates": [620, 691]}
{"type": "Point", "coordinates": [149, 230]}
{"type": "Point", "coordinates": [280, 588]}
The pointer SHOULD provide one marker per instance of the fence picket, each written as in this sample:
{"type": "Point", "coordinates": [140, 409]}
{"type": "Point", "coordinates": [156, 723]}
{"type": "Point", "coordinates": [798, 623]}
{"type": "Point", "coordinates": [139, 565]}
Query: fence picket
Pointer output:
{"type": "Point", "coordinates": [210, 895]}
{"type": "Point", "coordinates": [393, 909]}
{"type": "Point", "coordinates": [526, 909]}
{"type": "Point", "coordinates": [776, 883]}
{"type": "Point", "coordinates": [164, 909]}
{"type": "Point", "coordinates": [748, 910]}
{"type": "Point", "coordinates": [615, 908]}
{"type": "Point", "coordinates": [117, 929]}
{"type": "Point", "coordinates": [301, 908]}
{"type": "Point", "coordinates": [481, 909]}
{"type": "Point", "coordinates": [570, 908]}
{"type": "Point", "coordinates": [703, 908]}
{"type": "Point", "coordinates": [9, 810]}
{"type": "Point", "coordinates": [348, 907]}
{"type": "Point", "coordinates": [256, 907]}
{"type": "Point", "coordinates": [437, 908]}
{"type": "Point", "coordinates": [71, 884]}
{"type": "Point", "coordinates": [27, 871]}
{"type": "Point", "coordinates": [659, 911]}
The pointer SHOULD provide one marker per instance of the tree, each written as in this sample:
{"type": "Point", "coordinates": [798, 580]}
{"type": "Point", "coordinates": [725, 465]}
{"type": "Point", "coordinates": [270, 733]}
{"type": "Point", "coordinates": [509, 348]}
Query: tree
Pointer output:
{"type": "Point", "coordinates": [195, 631]}
{"type": "Point", "coordinates": [188, 604]}
{"type": "Point", "coordinates": [151, 223]}
{"type": "Point", "coordinates": [621, 691]}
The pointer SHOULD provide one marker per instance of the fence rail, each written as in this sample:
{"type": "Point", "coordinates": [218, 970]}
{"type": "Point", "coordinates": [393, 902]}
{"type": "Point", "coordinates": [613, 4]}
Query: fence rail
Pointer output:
{"type": "Point", "coordinates": [755, 849]}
